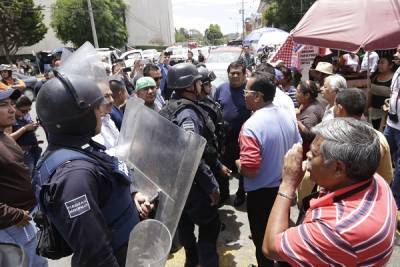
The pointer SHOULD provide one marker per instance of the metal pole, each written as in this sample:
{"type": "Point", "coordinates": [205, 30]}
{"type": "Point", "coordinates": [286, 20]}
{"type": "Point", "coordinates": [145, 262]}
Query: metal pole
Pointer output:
{"type": "Point", "coordinates": [243, 26]}
{"type": "Point", "coordinates": [96, 42]}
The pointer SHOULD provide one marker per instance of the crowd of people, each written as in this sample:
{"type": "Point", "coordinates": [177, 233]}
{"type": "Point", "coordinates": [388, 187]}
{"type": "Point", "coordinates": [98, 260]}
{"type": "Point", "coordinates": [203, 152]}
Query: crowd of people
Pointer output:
{"type": "Point", "coordinates": [331, 149]}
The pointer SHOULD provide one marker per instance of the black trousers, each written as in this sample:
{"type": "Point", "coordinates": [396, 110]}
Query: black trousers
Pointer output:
{"type": "Point", "coordinates": [231, 154]}
{"type": "Point", "coordinates": [259, 206]}
{"type": "Point", "coordinates": [207, 242]}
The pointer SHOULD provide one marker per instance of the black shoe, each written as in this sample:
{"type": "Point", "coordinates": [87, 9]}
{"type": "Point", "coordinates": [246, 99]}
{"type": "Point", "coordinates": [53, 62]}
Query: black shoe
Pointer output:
{"type": "Point", "coordinates": [239, 200]}
{"type": "Point", "coordinates": [192, 258]}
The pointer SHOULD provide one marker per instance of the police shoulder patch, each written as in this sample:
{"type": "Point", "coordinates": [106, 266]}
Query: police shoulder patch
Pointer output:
{"type": "Point", "coordinates": [188, 125]}
{"type": "Point", "coordinates": [77, 206]}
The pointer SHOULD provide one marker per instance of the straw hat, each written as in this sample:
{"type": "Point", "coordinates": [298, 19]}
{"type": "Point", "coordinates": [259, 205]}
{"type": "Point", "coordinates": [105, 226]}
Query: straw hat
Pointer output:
{"type": "Point", "coordinates": [324, 67]}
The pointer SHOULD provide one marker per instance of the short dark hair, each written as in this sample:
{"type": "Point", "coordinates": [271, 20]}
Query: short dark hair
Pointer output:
{"type": "Point", "coordinates": [287, 73]}
{"type": "Point", "coordinates": [201, 58]}
{"type": "Point", "coordinates": [309, 87]}
{"type": "Point", "coordinates": [263, 83]}
{"type": "Point", "coordinates": [266, 67]}
{"type": "Point", "coordinates": [117, 86]}
{"type": "Point", "coordinates": [389, 58]}
{"type": "Point", "coordinates": [189, 51]}
{"type": "Point", "coordinates": [353, 100]}
{"type": "Point", "coordinates": [149, 67]}
{"type": "Point", "coordinates": [236, 65]}
{"type": "Point", "coordinates": [23, 101]}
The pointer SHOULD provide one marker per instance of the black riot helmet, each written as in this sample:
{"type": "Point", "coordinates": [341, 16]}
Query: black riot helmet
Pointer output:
{"type": "Point", "coordinates": [182, 75]}
{"type": "Point", "coordinates": [206, 75]}
{"type": "Point", "coordinates": [65, 105]}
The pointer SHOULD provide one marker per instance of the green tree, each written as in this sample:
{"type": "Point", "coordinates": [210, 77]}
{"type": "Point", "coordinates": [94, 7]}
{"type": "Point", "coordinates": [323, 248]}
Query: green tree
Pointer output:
{"type": "Point", "coordinates": [214, 35]}
{"type": "Point", "coordinates": [286, 14]}
{"type": "Point", "coordinates": [181, 35]}
{"type": "Point", "coordinates": [71, 22]}
{"type": "Point", "coordinates": [22, 24]}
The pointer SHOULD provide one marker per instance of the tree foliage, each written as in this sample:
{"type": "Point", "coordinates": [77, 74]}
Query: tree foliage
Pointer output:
{"type": "Point", "coordinates": [71, 22]}
{"type": "Point", "coordinates": [22, 24]}
{"type": "Point", "coordinates": [285, 14]}
{"type": "Point", "coordinates": [184, 35]}
{"type": "Point", "coordinates": [214, 35]}
{"type": "Point", "coordinates": [181, 35]}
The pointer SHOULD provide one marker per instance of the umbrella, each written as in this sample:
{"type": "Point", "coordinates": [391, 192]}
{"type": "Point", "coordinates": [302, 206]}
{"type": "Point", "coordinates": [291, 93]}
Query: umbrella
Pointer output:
{"type": "Point", "coordinates": [273, 38]}
{"type": "Point", "coordinates": [255, 35]}
{"type": "Point", "coordinates": [350, 25]}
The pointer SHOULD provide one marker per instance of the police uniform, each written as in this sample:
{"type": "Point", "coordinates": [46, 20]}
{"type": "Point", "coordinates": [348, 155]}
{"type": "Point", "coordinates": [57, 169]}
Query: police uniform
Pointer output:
{"type": "Point", "coordinates": [89, 202]}
{"type": "Point", "coordinates": [84, 194]}
{"type": "Point", "coordinates": [215, 112]}
{"type": "Point", "coordinates": [198, 210]}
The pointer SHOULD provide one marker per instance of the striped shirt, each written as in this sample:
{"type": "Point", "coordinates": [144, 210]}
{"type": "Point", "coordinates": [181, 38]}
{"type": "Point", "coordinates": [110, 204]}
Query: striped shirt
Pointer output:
{"type": "Point", "coordinates": [356, 231]}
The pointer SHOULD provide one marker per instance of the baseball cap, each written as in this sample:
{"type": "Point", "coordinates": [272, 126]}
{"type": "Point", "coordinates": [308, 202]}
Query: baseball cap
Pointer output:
{"type": "Point", "coordinates": [144, 82]}
{"type": "Point", "coordinates": [13, 94]}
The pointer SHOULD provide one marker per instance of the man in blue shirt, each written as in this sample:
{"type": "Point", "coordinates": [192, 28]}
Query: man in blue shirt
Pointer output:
{"type": "Point", "coordinates": [120, 96]}
{"type": "Point", "coordinates": [230, 96]}
{"type": "Point", "coordinates": [164, 65]}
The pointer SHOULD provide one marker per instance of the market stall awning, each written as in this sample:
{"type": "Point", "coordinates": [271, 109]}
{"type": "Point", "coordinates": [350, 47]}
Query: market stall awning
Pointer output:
{"type": "Point", "coordinates": [350, 25]}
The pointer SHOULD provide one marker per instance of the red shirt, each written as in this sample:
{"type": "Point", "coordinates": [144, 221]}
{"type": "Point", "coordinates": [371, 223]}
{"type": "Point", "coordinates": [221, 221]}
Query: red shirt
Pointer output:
{"type": "Point", "coordinates": [356, 231]}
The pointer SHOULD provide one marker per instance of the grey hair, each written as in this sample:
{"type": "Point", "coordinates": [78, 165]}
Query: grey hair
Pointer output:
{"type": "Point", "coordinates": [352, 142]}
{"type": "Point", "coordinates": [336, 82]}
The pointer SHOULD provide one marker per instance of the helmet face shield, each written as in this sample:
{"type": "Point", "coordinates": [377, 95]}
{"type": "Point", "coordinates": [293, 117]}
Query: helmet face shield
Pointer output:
{"type": "Point", "coordinates": [66, 103]}
{"type": "Point", "coordinates": [212, 76]}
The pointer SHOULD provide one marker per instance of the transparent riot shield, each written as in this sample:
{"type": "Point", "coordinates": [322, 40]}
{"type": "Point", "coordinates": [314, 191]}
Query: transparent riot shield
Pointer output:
{"type": "Point", "coordinates": [165, 159]}
{"type": "Point", "coordinates": [12, 255]}
{"type": "Point", "coordinates": [157, 245]}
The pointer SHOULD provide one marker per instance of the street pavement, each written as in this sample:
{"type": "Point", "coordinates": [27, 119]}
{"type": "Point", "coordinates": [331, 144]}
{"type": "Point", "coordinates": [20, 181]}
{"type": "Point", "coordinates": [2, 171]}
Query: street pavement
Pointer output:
{"type": "Point", "coordinates": [234, 245]}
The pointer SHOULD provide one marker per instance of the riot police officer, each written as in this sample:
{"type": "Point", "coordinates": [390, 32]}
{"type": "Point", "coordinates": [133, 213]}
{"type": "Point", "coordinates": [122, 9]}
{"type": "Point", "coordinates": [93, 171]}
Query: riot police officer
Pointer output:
{"type": "Point", "coordinates": [213, 108]}
{"type": "Point", "coordinates": [201, 205]}
{"type": "Point", "coordinates": [85, 194]}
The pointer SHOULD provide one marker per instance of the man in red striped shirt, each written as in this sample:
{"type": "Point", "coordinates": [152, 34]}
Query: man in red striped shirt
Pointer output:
{"type": "Point", "coordinates": [352, 220]}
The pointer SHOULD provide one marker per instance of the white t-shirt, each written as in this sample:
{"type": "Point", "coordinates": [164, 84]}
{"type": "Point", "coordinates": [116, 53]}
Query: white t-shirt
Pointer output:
{"type": "Point", "coordinates": [284, 101]}
{"type": "Point", "coordinates": [109, 134]}
{"type": "Point", "coordinates": [395, 87]}
{"type": "Point", "coordinates": [373, 62]}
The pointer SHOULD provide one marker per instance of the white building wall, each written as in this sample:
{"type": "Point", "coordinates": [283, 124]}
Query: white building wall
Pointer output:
{"type": "Point", "coordinates": [149, 22]}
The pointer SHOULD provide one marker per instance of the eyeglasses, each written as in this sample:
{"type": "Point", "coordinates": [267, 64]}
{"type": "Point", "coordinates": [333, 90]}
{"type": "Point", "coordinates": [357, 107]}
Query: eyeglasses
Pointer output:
{"type": "Point", "coordinates": [157, 78]}
{"type": "Point", "coordinates": [245, 92]}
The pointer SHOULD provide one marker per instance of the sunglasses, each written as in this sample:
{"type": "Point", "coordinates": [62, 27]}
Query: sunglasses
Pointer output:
{"type": "Point", "coordinates": [157, 78]}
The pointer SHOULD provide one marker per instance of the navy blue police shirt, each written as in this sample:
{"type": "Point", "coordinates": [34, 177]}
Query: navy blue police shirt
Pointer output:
{"type": "Point", "coordinates": [189, 120]}
{"type": "Point", "coordinates": [79, 193]}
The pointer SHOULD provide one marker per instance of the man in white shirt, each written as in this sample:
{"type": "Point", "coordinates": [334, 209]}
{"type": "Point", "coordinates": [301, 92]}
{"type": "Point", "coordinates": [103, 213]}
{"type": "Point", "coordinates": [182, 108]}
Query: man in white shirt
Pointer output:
{"type": "Point", "coordinates": [109, 133]}
{"type": "Point", "coordinates": [392, 129]}
{"type": "Point", "coordinates": [373, 62]}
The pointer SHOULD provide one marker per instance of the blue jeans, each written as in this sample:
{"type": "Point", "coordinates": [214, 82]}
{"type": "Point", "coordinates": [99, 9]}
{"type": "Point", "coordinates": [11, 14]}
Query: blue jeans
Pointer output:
{"type": "Point", "coordinates": [26, 238]}
{"type": "Point", "coordinates": [393, 137]}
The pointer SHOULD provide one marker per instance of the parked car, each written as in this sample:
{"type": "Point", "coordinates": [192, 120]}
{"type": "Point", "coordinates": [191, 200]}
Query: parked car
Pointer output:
{"type": "Point", "coordinates": [219, 60]}
{"type": "Point", "coordinates": [111, 54]}
{"type": "Point", "coordinates": [178, 54]}
{"type": "Point", "coordinates": [205, 50]}
{"type": "Point", "coordinates": [130, 56]}
{"type": "Point", "coordinates": [151, 54]}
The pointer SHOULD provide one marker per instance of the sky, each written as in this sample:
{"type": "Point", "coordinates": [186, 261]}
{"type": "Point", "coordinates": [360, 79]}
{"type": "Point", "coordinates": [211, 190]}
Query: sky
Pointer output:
{"type": "Point", "coordinates": [199, 14]}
